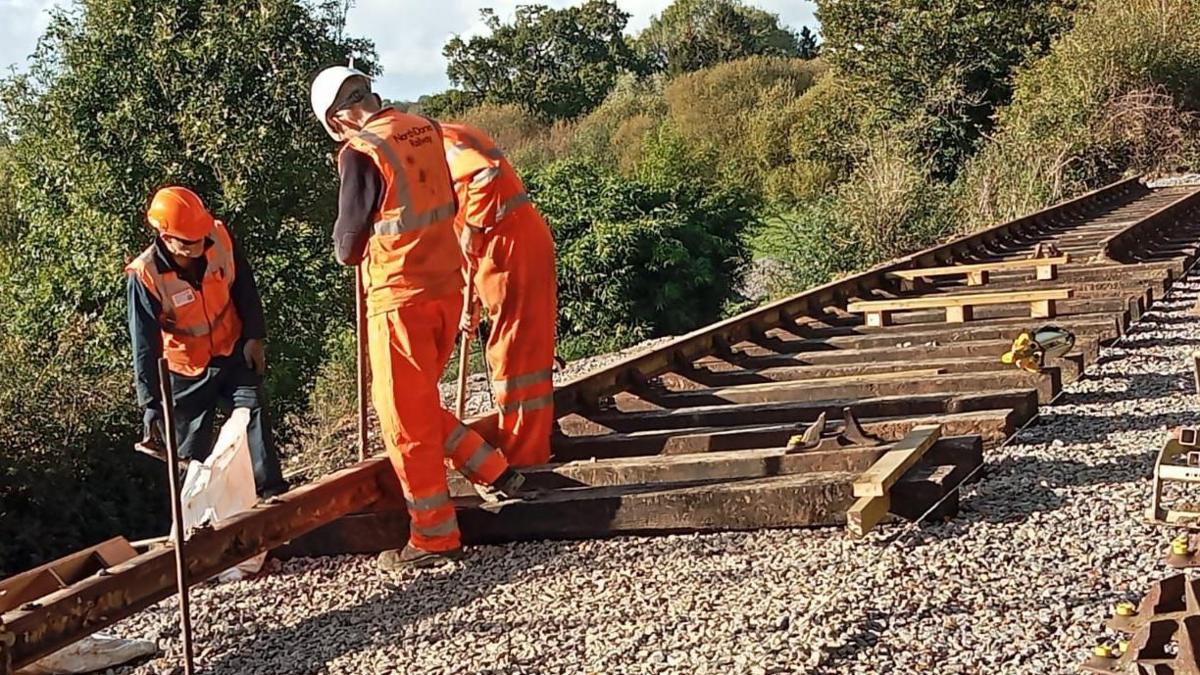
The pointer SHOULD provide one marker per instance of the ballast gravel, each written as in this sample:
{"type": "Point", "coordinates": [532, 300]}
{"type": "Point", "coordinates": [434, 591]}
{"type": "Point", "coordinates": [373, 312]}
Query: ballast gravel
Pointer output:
{"type": "Point", "coordinates": [1047, 542]}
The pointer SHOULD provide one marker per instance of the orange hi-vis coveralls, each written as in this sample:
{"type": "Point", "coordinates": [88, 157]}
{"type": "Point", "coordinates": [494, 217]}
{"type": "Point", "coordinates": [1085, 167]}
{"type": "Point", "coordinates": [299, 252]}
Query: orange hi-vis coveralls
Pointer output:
{"type": "Point", "coordinates": [412, 273]}
{"type": "Point", "coordinates": [513, 259]}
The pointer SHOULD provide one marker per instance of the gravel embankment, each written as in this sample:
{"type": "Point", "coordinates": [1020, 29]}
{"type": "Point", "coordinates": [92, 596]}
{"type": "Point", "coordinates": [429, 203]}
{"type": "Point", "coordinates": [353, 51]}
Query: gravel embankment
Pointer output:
{"type": "Point", "coordinates": [1019, 583]}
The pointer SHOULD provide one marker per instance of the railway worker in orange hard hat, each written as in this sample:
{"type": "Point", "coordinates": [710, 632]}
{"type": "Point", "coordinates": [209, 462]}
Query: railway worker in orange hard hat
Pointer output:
{"type": "Point", "coordinates": [395, 220]}
{"type": "Point", "coordinates": [511, 252]}
{"type": "Point", "coordinates": [192, 298]}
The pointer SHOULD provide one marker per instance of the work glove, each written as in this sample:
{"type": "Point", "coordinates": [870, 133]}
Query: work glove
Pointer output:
{"type": "Point", "coordinates": [255, 352]}
{"type": "Point", "coordinates": [152, 428]}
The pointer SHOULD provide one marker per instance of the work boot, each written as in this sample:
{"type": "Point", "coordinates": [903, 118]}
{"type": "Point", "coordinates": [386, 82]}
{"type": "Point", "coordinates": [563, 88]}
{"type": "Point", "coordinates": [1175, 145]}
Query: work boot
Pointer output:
{"type": "Point", "coordinates": [411, 558]}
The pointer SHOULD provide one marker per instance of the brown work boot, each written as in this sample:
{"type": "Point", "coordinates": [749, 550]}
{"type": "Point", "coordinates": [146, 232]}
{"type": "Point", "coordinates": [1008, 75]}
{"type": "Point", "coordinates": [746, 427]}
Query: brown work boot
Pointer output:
{"type": "Point", "coordinates": [411, 558]}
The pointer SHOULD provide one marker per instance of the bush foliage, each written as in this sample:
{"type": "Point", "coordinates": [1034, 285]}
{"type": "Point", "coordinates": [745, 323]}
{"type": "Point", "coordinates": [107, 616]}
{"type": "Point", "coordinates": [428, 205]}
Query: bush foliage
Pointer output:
{"type": "Point", "coordinates": [1119, 94]}
{"type": "Point", "coordinates": [654, 254]}
{"type": "Point", "coordinates": [555, 63]}
{"type": "Point", "coordinates": [119, 101]}
{"type": "Point", "coordinates": [692, 35]}
{"type": "Point", "coordinates": [941, 66]}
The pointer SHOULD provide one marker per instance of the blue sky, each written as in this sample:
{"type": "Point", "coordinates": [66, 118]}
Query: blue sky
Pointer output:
{"type": "Point", "coordinates": [407, 33]}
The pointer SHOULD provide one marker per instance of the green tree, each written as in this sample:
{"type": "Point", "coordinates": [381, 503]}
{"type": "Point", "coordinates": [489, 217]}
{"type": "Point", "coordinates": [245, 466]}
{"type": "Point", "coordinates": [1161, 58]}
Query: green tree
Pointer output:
{"type": "Point", "coordinates": [656, 254]}
{"type": "Point", "coordinates": [807, 45]}
{"type": "Point", "coordinates": [1117, 95]}
{"type": "Point", "coordinates": [445, 104]}
{"type": "Point", "coordinates": [120, 99]}
{"type": "Point", "coordinates": [691, 35]}
{"type": "Point", "coordinates": [557, 63]}
{"type": "Point", "coordinates": [725, 109]}
{"type": "Point", "coordinates": [941, 67]}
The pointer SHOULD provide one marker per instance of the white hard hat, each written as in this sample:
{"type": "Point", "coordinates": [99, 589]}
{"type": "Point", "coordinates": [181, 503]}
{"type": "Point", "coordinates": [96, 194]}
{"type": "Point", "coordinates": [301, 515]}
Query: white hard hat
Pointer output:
{"type": "Point", "coordinates": [325, 87]}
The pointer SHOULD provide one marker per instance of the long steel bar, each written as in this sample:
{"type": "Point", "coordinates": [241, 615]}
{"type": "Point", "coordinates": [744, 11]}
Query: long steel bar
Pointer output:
{"type": "Point", "coordinates": [179, 541]}
{"type": "Point", "coordinates": [360, 340]}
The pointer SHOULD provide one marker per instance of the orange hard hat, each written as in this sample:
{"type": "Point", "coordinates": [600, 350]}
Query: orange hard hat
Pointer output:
{"type": "Point", "coordinates": [178, 211]}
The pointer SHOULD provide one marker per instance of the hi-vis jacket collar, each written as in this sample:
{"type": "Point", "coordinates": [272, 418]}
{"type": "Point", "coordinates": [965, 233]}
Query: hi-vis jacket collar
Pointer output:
{"type": "Point", "coordinates": [374, 116]}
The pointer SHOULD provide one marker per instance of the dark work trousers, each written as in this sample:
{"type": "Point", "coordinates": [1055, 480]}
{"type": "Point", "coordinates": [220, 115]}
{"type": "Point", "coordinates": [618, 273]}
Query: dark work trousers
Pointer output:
{"type": "Point", "coordinates": [227, 383]}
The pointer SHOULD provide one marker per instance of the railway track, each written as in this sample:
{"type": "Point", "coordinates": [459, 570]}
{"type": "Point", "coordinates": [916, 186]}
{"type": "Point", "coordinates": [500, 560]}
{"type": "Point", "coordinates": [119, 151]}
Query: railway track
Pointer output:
{"type": "Point", "coordinates": [689, 436]}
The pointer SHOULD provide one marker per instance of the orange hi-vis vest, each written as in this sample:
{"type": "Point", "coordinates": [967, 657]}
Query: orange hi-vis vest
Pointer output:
{"type": "Point", "coordinates": [413, 253]}
{"type": "Point", "coordinates": [476, 165]}
{"type": "Point", "coordinates": [196, 324]}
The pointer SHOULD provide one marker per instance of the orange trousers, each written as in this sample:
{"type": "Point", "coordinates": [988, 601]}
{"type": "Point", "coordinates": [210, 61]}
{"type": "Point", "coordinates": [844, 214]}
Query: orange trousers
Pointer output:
{"type": "Point", "coordinates": [409, 348]}
{"type": "Point", "coordinates": [517, 286]}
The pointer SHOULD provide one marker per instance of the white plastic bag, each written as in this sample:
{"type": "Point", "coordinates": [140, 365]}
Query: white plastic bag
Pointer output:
{"type": "Point", "coordinates": [223, 486]}
{"type": "Point", "coordinates": [98, 652]}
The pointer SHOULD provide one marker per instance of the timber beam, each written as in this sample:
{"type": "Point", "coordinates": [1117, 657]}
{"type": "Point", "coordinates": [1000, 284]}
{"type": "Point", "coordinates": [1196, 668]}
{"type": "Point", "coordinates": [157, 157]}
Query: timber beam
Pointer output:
{"type": "Point", "coordinates": [750, 503]}
{"type": "Point", "coordinates": [1048, 383]}
{"type": "Point", "coordinates": [1103, 327]}
{"type": "Point", "coordinates": [1021, 401]}
{"type": "Point", "coordinates": [729, 464]}
{"type": "Point", "coordinates": [993, 425]}
{"type": "Point", "coordinates": [59, 619]}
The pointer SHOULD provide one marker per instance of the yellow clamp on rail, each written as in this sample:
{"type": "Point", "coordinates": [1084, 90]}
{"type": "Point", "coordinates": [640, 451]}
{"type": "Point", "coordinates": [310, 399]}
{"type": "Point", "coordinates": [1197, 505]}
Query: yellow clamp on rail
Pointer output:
{"type": "Point", "coordinates": [1105, 651]}
{"type": "Point", "coordinates": [1126, 609]}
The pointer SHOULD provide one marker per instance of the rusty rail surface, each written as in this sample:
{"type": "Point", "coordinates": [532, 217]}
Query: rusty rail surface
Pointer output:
{"type": "Point", "coordinates": [688, 436]}
{"type": "Point", "coordinates": [585, 391]}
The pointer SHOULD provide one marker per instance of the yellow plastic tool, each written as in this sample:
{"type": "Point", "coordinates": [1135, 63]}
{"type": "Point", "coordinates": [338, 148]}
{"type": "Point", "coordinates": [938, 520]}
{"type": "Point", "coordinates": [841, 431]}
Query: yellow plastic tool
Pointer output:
{"type": "Point", "coordinates": [1023, 354]}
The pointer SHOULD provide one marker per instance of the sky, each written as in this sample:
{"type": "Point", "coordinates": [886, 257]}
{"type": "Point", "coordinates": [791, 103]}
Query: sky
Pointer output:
{"type": "Point", "coordinates": [408, 34]}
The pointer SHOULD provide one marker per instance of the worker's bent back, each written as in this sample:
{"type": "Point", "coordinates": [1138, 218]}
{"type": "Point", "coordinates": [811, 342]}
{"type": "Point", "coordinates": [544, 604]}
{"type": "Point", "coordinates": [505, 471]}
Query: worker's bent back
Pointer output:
{"type": "Point", "coordinates": [412, 254]}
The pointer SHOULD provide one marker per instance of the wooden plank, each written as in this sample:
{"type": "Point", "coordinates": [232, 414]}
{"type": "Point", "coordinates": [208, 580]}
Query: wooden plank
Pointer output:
{"type": "Point", "coordinates": [989, 423]}
{"type": "Point", "coordinates": [1116, 307]}
{"type": "Point", "coordinates": [866, 513]}
{"type": "Point", "coordinates": [724, 465]}
{"type": "Point", "coordinates": [801, 500]}
{"type": "Point", "coordinates": [1048, 383]}
{"type": "Point", "coordinates": [952, 357]}
{"type": "Point", "coordinates": [877, 480]}
{"type": "Point", "coordinates": [1070, 366]}
{"type": "Point", "coordinates": [1043, 309]}
{"type": "Point", "coordinates": [1101, 326]}
{"type": "Point", "coordinates": [959, 314]}
{"type": "Point", "coordinates": [55, 575]}
{"type": "Point", "coordinates": [958, 300]}
{"type": "Point", "coordinates": [1023, 400]}
{"type": "Point", "coordinates": [973, 268]}
{"type": "Point", "coordinates": [99, 601]}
